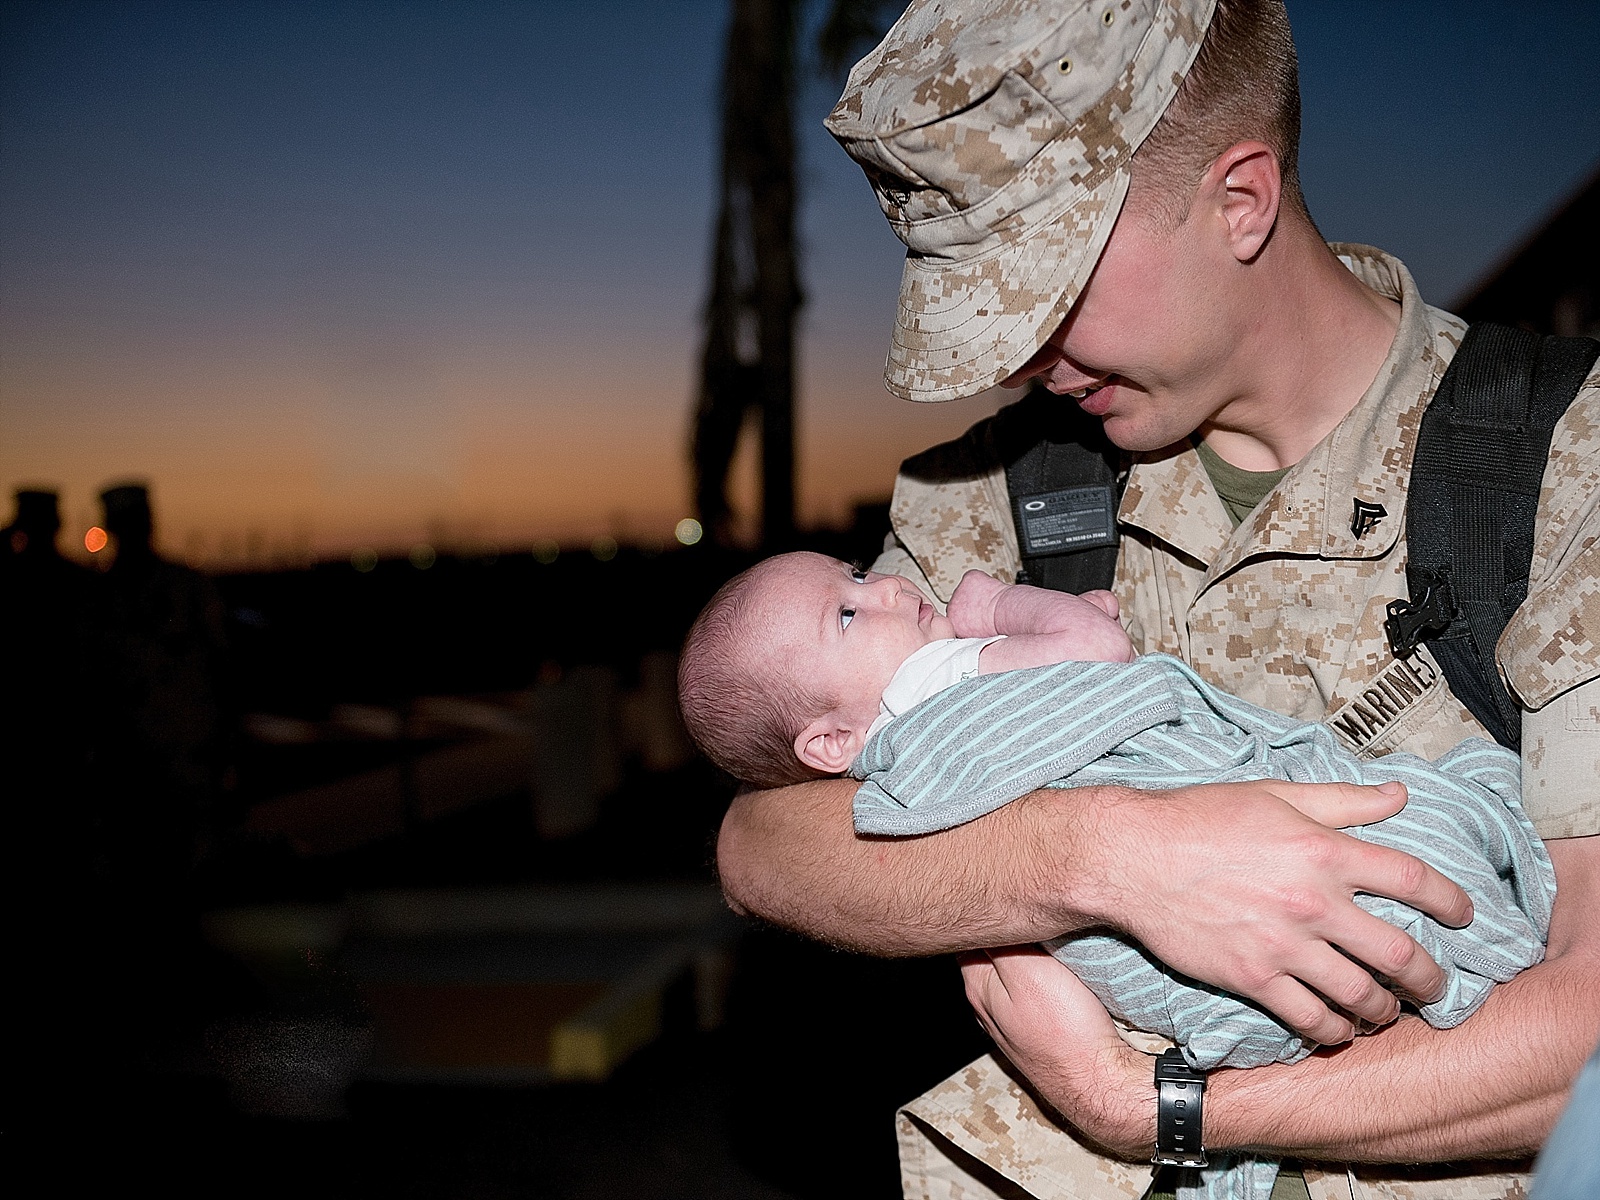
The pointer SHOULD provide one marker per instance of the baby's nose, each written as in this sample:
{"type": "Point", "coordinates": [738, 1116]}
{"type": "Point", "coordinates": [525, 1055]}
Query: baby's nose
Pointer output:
{"type": "Point", "coordinates": [888, 588]}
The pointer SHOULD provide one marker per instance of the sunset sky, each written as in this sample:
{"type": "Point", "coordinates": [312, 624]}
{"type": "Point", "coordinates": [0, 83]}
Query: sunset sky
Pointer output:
{"type": "Point", "coordinates": [332, 274]}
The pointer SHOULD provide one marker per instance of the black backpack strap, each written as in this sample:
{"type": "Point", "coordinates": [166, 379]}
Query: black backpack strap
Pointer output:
{"type": "Point", "coordinates": [1064, 479]}
{"type": "Point", "coordinates": [1474, 495]}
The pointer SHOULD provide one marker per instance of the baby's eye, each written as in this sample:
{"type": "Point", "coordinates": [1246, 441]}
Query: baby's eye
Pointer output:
{"type": "Point", "coordinates": [858, 574]}
{"type": "Point", "coordinates": [845, 617]}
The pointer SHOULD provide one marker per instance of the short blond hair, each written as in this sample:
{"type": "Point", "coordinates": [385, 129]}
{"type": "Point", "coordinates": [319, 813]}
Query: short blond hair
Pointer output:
{"type": "Point", "coordinates": [1244, 85]}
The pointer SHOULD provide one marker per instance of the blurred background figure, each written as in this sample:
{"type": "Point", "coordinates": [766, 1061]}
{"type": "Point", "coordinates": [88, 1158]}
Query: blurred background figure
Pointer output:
{"type": "Point", "coordinates": [42, 597]}
{"type": "Point", "coordinates": [160, 741]}
{"type": "Point", "coordinates": [162, 628]}
{"type": "Point", "coordinates": [1567, 1168]}
{"type": "Point", "coordinates": [44, 732]}
{"type": "Point", "coordinates": [43, 608]}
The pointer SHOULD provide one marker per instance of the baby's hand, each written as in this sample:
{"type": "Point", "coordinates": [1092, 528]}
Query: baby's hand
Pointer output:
{"type": "Point", "coordinates": [972, 605]}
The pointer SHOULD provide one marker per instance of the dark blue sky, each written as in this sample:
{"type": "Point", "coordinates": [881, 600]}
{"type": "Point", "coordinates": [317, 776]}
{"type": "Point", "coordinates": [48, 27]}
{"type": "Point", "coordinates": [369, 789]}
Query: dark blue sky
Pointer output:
{"type": "Point", "coordinates": [371, 255]}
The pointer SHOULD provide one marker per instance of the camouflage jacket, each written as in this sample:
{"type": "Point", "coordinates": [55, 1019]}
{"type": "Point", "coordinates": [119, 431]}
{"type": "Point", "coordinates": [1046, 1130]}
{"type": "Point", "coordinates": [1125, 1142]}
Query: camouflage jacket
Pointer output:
{"type": "Point", "coordinates": [1286, 611]}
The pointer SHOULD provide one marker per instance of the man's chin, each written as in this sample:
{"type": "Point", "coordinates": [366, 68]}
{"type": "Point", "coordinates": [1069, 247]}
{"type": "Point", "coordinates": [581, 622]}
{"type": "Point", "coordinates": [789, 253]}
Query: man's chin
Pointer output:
{"type": "Point", "coordinates": [1137, 437]}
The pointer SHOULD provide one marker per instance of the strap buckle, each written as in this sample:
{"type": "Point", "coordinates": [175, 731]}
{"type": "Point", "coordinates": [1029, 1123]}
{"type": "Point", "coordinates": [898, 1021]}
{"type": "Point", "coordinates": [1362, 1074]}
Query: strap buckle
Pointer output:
{"type": "Point", "coordinates": [1412, 621]}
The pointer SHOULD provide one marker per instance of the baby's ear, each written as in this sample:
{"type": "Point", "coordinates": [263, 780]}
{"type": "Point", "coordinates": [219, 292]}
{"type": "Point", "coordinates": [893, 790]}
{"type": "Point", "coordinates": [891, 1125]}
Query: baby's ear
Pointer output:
{"type": "Point", "coordinates": [827, 746]}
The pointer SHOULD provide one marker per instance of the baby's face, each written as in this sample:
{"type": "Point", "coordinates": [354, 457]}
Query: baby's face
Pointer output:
{"type": "Point", "coordinates": [843, 632]}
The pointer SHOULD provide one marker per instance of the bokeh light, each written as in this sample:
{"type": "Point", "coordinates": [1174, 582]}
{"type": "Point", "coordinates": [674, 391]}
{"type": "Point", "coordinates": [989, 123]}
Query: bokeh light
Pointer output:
{"type": "Point", "coordinates": [95, 540]}
{"type": "Point", "coordinates": [546, 552]}
{"type": "Point", "coordinates": [688, 531]}
{"type": "Point", "coordinates": [604, 548]}
{"type": "Point", "coordinates": [423, 556]}
{"type": "Point", "coordinates": [364, 558]}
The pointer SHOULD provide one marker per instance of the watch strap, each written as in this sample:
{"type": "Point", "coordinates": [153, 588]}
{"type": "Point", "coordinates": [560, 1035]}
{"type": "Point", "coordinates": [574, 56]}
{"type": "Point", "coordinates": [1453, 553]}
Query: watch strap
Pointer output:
{"type": "Point", "coordinates": [1180, 1102]}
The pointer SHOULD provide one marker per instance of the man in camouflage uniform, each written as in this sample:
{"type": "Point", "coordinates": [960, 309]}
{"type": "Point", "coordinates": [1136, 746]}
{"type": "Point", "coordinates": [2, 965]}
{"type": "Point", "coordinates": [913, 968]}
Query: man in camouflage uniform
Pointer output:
{"type": "Point", "coordinates": [1001, 141]}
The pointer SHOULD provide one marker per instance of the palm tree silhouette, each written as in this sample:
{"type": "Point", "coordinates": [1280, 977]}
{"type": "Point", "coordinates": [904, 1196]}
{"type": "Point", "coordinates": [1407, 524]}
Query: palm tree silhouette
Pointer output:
{"type": "Point", "coordinates": [747, 360]}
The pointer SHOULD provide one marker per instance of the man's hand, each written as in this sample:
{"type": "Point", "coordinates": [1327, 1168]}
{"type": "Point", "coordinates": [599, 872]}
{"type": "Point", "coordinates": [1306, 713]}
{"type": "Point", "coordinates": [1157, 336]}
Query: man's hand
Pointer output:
{"type": "Point", "coordinates": [1054, 1028]}
{"type": "Point", "coordinates": [1241, 886]}
{"type": "Point", "coordinates": [1234, 884]}
{"type": "Point", "coordinates": [1491, 1087]}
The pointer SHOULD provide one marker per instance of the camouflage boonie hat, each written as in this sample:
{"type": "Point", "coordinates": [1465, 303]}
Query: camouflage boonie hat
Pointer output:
{"type": "Point", "coordinates": [997, 135]}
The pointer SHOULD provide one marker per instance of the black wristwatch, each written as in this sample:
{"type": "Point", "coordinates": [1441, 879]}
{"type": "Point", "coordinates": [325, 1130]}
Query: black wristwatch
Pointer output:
{"type": "Point", "coordinates": [1180, 1095]}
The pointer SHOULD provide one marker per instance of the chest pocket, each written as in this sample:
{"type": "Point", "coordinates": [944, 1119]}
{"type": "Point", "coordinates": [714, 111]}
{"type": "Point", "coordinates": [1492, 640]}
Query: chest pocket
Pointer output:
{"type": "Point", "coordinates": [1064, 478]}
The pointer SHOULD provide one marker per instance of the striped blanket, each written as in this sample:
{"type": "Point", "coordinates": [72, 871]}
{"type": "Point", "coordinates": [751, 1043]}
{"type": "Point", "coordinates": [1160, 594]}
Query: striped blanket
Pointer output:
{"type": "Point", "coordinates": [1154, 724]}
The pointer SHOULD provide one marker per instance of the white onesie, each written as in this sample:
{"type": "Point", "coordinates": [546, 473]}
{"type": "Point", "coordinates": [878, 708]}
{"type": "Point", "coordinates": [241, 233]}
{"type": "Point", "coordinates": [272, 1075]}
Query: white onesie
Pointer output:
{"type": "Point", "coordinates": [927, 672]}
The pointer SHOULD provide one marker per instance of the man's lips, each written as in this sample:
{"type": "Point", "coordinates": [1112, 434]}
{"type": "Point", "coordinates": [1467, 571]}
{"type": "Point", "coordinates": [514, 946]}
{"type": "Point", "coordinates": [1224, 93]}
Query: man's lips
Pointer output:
{"type": "Point", "coordinates": [1096, 398]}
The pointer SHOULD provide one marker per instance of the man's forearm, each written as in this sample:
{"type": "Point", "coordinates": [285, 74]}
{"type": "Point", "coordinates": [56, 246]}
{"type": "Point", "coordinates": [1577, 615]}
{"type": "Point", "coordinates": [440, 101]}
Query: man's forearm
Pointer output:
{"type": "Point", "coordinates": [1265, 886]}
{"type": "Point", "coordinates": [1491, 1087]}
{"type": "Point", "coordinates": [792, 857]}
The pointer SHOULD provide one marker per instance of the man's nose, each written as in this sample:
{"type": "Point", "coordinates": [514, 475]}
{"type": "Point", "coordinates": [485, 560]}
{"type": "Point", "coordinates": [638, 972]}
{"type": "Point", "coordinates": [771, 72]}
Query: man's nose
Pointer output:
{"type": "Point", "coordinates": [1044, 359]}
{"type": "Point", "coordinates": [1063, 376]}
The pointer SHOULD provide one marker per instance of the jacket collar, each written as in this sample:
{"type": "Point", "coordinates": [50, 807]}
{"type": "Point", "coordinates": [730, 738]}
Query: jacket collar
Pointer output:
{"type": "Point", "coordinates": [1366, 458]}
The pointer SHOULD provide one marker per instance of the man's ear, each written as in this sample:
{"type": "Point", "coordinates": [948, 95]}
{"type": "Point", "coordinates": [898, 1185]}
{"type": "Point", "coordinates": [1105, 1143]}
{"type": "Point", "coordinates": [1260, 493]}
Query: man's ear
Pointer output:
{"type": "Point", "coordinates": [827, 746]}
{"type": "Point", "coordinates": [1247, 183]}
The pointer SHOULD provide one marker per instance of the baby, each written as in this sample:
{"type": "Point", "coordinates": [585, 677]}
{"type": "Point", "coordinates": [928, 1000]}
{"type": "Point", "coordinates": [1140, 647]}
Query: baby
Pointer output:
{"type": "Point", "coordinates": [805, 667]}
{"type": "Point", "coordinates": [797, 662]}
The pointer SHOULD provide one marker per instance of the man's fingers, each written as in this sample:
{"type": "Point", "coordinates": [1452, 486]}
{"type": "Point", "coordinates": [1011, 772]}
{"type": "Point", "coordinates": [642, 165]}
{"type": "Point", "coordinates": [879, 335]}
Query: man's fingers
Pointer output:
{"type": "Point", "coordinates": [1393, 873]}
{"type": "Point", "coordinates": [1301, 1000]}
{"type": "Point", "coordinates": [980, 980]}
{"type": "Point", "coordinates": [1305, 1012]}
{"type": "Point", "coordinates": [1382, 871]}
{"type": "Point", "coordinates": [1340, 805]}
{"type": "Point", "coordinates": [1393, 955]}
{"type": "Point", "coordinates": [1333, 976]}
{"type": "Point", "coordinates": [1022, 992]}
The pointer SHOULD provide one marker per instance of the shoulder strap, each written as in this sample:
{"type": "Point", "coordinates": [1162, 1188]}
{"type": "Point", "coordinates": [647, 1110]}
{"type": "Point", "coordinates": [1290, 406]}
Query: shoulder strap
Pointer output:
{"type": "Point", "coordinates": [1062, 474]}
{"type": "Point", "coordinates": [1473, 498]}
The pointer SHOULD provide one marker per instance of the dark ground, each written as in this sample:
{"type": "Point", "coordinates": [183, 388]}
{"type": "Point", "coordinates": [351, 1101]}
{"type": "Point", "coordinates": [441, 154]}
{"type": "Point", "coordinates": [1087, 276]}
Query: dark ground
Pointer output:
{"type": "Point", "coordinates": [794, 1096]}
{"type": "Point", "coordinates": [789, 1100]}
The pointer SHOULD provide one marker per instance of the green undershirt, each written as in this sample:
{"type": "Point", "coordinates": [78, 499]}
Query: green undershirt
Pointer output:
{"type": "Point", "coordinates": [1240, 492]}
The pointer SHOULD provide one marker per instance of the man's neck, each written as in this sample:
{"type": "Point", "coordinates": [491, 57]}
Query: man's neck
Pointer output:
{"type": "Point", "coordinates": [1317, 341]}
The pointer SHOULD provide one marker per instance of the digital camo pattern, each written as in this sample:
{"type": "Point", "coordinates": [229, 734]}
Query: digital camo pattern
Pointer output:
{"type": "Point", "coordinates": [1550, 640]}
{"type": "Point", "coordinates": [981, 1113]}
{"type": "Point", "coordinates": [1548, 650]}
{"type": "Point", "coordinates": [997, 137]}
{"type": "Point", "coordinates": [1468, 1181]}
{"type": "Point", "coordinates": [979, 1135]}
{"type": "Point", "coordinates": [1302, 636]}
{"type": "Point", "coordinates": [1323, 655]}
{"type": "Point", "coordinates": [1561, 761]}
{"type": "Point", "coordinates": [954, 497]}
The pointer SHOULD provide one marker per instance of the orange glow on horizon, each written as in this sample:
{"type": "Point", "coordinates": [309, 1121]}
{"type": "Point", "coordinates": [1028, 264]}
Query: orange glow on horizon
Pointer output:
{"type": "Point", "coordinates": [256, 466]}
